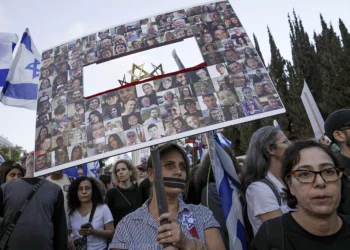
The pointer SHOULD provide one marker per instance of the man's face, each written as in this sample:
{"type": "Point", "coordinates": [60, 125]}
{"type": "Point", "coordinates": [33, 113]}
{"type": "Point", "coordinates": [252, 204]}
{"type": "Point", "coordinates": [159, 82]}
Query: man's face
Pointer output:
{"type": "Point", "coordinates": [76, 95]}
{"type": "Point", "coordinates": [59, 117]}
{"type": "Point", "coordinates": [231, 55]}
{"type": "Point", "coordinates": [103, 34]}
{"type": "Point", "coordinates": [75, 54]}
{"type": "Point", "coordinates": [133, 120]}
{"type": "Point", "coordinates": [146, 102]}
{"type": "Point", "coordinates": [147, 89]}
{"type": "Point", "coordinates": [181, 34]}
{"type": "Point", "coordinates": [253, 63]}
{"type": "Point", "coordinates": [44, 119]}
{"type": "Point", "coordinates": [61, 100]}
{"type": "Point", "coordinates": [154, 113]}
{"type": "Point", "coordinates": [202, 75]}
{"type": "Point", "coordinates": [214, 58]}
{"type": "Point", "coordinates": [235, 67]}
{"type": "Point", "coordinates": [178, 124]}
{"type": "Point", "coordinates": [238, 79]}
{"type": "Point", "coordinates": [180, 23]}
{"type": "Point", "coordinates": [41, 162]}
{"type": "Point", "coordinates": [214, 16]}
{"type": "Point", "coordinates": [80, 173]}
{"type": "Point", "coordinates": [76, 73]}
{"type": "Point", "coordinates": [127, 94]}
{"type": "Point", "coordinates": [221, 70]}
{"type": "Point", "coordinates": [174, 111]}
{"type": "Point", "coordinates": [111, 100]}
{"type": "Point", "coordinates": [59, 142]}
{"type": "Point", "coordinates": [153, 132]}
{"type": "Point", "coordinates": [226, 97]}
{"type": "Point", "coordinates": [78, 107]}
{"type": "Point", "coordinates": [77, 121]}
{"type": "Point", "coordinates": [273, 103]}
{"type": "Point", "coordinates": [166, 83]}
{"type": "Point", "coordinates": [220, 34]}
{"type": "Point", "coordinates": [248, 93]}
{"type": "Point", "coordinates": [106, 54]}
{"type": "Point", "coordinates": [120, 49]}
{"type": "Point", "coordinates": [181, 78]}
{"type": "Point", "coordinates": [210, 101]}
{"type": "Point", "coordinates": [76, 84]}
{"type": "Point", "coordinates": [259, 88]}
{"type": "Point", "coordinates": [193, 122]}
{"type": "Point", "coordinates": [136, 45]}
{"type": "Point", "coordinates": [251, 106]}
{"type": "Point", "coordinates": [94, 104]}
{"type": "Point", "coordinates": [106, 43]}
{"type": "Point", "coordinates": [131, 137]}
{"type": "Point", "coordinates": [191, 106]}
{"type": "Point", "coordinates": [258, 73]}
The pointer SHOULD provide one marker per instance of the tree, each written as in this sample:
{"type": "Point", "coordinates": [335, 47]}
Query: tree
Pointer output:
{"type": "Point", "coordinates": [12, 153]}
{"type": "Point", "coordinates": [345, 37]}
{"type": "Point", "coordinates": [257, 47]}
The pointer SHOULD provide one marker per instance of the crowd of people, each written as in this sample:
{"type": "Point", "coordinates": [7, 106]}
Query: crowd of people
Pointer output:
{"type": "Point", "coordinates": [297, 196]}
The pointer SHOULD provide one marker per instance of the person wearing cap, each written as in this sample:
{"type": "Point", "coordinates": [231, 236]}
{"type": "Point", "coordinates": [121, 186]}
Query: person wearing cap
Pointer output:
{"type": "Point", "coordinates": [131, 138]}
{"type": "Point", "coordinates": [337, 128]}
{"type": "Point", "coordinates": [142, 168]}
{"type": "Point", "coordinates": [250, 105]}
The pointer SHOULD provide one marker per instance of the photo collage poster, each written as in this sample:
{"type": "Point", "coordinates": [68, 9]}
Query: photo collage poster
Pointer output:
{"type": "Point", "coordinates": [233, 88]}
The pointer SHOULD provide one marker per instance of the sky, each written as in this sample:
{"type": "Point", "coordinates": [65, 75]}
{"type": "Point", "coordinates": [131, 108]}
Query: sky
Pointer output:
{"type": "Point", "coordinates": [52, 23]}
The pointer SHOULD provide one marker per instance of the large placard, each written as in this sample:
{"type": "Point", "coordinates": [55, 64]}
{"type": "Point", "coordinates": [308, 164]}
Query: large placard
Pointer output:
{"type": "Point", "coordinates": [232, 89]}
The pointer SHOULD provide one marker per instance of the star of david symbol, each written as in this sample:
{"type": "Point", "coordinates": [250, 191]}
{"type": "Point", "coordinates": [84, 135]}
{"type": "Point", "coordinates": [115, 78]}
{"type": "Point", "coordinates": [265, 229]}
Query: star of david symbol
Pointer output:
{"type": "Point", "coordinates": [34, 67]}
{"type": "Point", "coordinates": [189, 221]}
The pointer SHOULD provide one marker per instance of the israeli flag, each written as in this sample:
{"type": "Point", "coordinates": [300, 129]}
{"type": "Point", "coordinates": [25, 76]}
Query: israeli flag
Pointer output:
{"type": "Point", "coordinates": [230, 192]}
{"type": "Point", "coordinates": [1, 159]}
{"type": "Point", "coordinates": [90, 169]}
{"type": "Point", "coordinates": [21, 86]}
{"type": "Point", "coordinates": [8, 43]}
{"type": "Point", "coordinates": [223, 140]}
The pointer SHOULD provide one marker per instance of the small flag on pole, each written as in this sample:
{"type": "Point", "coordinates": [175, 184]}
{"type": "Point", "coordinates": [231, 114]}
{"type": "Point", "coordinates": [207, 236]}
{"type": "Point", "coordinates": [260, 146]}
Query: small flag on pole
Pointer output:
{"type": "Point", "coordinates": [21, 86]}
{"type": "Point", "coordinates": [8, 43]}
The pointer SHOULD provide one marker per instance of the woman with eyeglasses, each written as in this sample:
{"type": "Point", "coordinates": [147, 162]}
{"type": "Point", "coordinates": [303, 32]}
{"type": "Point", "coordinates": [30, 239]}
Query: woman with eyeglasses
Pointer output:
{"type": "Point", "coordinates": [262, 176]}
{"type": "Point", "coordinates": [315, 186]}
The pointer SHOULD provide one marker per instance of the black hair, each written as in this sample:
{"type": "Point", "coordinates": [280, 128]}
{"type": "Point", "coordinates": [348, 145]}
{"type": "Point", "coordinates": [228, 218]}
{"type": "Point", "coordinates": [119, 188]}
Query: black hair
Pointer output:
{"type": "Point", "coordinates": [98, 114]}
{"type": "Point", "coordinates": [72, 195]}
{"type": "Point", "coordinates": [6, 167]}
{"type": "Point", "coordinates": [244, 40]}
{"type": "Point", "coordinates": [117, 138]}
{"type": "Point", "coordinates": [106, 179]}
{"type": "Point", "coordinates": [291, 158]}
{"type": "Point", "coordinates": [80, 151]}
{"type": "Point", "coordinates": [90, 100]}
{"type": "Point", "coordinates": [151, 126]}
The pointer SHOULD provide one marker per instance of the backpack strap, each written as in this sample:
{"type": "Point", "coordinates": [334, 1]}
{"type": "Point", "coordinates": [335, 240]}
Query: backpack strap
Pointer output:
{"type": "Point", "coordinates": [273, 188]}
{"type": "Point", "coordinates": [275, 234]}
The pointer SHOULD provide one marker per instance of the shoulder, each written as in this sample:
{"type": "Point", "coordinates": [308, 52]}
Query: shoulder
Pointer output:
{"type": "Point", "coordinates": [129, 220]}
{"type": "Point", "coordinates": [259, 191]}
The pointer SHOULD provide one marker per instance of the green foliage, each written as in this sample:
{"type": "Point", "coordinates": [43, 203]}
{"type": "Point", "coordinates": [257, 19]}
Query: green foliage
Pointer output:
{"type": "Point", "coordinates": [16, 153]}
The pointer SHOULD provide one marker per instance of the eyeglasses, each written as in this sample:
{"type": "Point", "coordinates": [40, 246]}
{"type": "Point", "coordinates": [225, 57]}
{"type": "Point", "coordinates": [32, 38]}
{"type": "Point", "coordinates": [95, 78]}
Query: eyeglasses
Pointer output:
{"type": "Point", "coordinates": [285, 141]}
{"type": "Point", "coordinates": [308, 176]}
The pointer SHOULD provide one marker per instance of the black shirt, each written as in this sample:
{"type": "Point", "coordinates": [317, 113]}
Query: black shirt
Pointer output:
{"type": "Point", "coordinates": [344, 207]}
{"type": "Point", "coordinates": [122, 201]}
{"type": "Point", "coordinates": [296, 237]}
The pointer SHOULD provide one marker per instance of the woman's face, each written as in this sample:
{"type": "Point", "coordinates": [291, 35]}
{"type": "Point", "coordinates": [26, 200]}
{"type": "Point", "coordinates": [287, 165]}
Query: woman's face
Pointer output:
{"type": "Point", "coordinates": [233, 110]}
{"type": "Point", "coordinates": [112, 142]}
{"type": "Point", "coordinates": [114, 112]}
{"type": "Point", "coordinates": [216, 115]}
{"type": "Point", "coordinates": [13, 175]}
{"type": "Point", "coordinates": [122, 172]}
{"type": "Point", "coordinates": [127, 94]}
{"type": "Point", "coordinates": [94, 103]}
{"type": "Point", "coordinates": [43, 133]}
{"type": "Point", "coordinates": [228, 23]}
{"type": "Point", "coordinates": [61, 128]}
{"type": "Point", "coordinates": [191, 107]}
{"type": "Point", "coordinates": [169, 96]}
{"type": "Point", "coordinates": [76, 84]}
{"type": "Point", "coordinates": [91, 57]}
{"type": "Point", "coordinates": [93, 118]}
{"type": "Point", "coordinates": [45, 83]}
{"type": "Point", "coordinates": [98, 131]}
{"type": "Point", "coordinates": [169, 36]}
{"type": "Point", "coordinates": [120, 49]}
{"type": "Point", "coordinates": [204, 88]}
{"type": "Point", "coordinates": [317, 198]}
{"type": "Point", "coordinates": [76, 154]}
{"type": "Point", "coordinates": [269, 89]}
{"type": "Point", "coordinates": [226, 97]}
{"type": "Point", "coordinates": [186, 92]}
{"type": "Point", "coordinates": [238, 80]}
{"type": "Point", "coordinates": [207, 38]}
{"type": "Point", "coordinates": [45, 73]}
{"type": "Point", "coordinates": [130, 106]}
{"type": "Point", "coordinates": [197, 19]}
{"type": "Point", "coordinates": [106, 54]}
{"type": "Point", "coordinates": [46, 144]}
{"type": "Point", "coordinates": [85, 191]}
{"type": "Point", "coordinates": [234, 20]}
{"type": "Point", "coordinates": [253, 63]}
{"type": "Point", "coordinates": [78, 137]}
{"type": "Point", "coordinates": [166, 83]}
{"type": "Point", "coordinates": [248, 93]}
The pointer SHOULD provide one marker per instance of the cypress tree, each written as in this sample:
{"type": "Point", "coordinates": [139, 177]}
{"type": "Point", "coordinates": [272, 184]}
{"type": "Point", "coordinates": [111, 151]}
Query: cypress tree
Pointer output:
{"type": "Point", "coordinates": [257, 47]}
{"type": "Point", "coordinates": [345, 35]}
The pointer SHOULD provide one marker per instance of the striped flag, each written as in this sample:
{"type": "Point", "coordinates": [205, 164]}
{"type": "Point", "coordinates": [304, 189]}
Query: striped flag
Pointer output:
{"type": "Point", "coordinates": [230, 192]}
{"type": "Point", "coordinates": [21, 86]}
{"type": "Point", "coordinates": [7, 45]}
{"type": "Point", "coordinates": [223, 140]}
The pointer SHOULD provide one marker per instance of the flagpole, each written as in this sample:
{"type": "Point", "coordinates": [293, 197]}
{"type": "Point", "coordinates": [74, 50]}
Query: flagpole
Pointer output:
{"type": "Point", "coordinates": [313, 112]}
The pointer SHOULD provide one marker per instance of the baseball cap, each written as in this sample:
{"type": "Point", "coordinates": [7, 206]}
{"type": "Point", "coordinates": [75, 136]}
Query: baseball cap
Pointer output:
{"type": "Point", "coordinates": [142, 166]}
{"type": "Point", "coordinates": [336, 121]}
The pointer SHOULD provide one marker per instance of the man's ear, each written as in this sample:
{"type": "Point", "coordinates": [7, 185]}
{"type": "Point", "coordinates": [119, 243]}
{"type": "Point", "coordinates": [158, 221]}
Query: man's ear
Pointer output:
{"type": "Point", "coordinates": [339, 136]}
{"type": "Point", "coordinates": [150, 174]}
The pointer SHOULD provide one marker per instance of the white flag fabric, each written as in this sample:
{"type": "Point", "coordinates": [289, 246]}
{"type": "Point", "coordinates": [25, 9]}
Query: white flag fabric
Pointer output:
{"type": "Point", "coordinates": [313, 112]}
{"type": "Point", "coordinates": [8, 43]}
{"type": "Point", "coordinates": [21, 87]}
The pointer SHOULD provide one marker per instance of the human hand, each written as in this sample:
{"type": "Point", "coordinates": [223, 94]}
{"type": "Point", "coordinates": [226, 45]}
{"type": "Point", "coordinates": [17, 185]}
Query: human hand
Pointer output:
{"type": "Point", "coordinates": [172, 233]}
{"type": "Point", "coordinates": [323, 140]}
{"type": "Point", "coordinates": [86, 231]}
{"type": "Point", "coordinates": [71, 245]}
{"type": "Point", "coordinates": [30, 165]}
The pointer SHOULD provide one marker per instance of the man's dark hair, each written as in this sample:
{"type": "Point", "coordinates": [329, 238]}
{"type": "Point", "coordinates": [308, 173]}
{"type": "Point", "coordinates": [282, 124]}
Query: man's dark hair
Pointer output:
{"type": "Point", "coordinates": [106, 179]}
{"type": "Point", "coordinates": [291, 158]}
{"type": "Point", "coordinates": [151, 126]}
{"type": "Point", "coordinates": [60, 110]}
{"type": "Point", "coordinates": [147, 84]}
{"type": "Point", "coordinates": [72, 195]}
{"type": "Point", "coordinates": [208, 95]}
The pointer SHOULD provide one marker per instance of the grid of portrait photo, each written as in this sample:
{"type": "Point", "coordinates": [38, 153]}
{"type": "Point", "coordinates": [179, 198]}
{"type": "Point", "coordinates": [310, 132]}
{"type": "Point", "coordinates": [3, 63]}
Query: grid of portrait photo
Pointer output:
{"type": "Point", "coordinates": [235, 84]}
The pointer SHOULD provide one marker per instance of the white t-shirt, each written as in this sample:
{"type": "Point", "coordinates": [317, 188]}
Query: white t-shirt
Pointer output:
{"type": "Point", "coordinates": [101, 217]}
{"type": "Point", "coordinates": [64, 184]}
{"type": "Point", "coordinates": [261, 200]}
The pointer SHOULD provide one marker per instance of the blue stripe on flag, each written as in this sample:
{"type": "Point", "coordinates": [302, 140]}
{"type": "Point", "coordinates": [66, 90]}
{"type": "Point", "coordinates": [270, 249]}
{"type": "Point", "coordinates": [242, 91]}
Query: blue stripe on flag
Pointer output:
{"type": "Point", "coordinates": [26, 91]}
{"type": "Point", "coordinates": [27, 41]}
{"type": "Point", "coordinates": [241, 234]}
{"type": "Point", "coordinates": [3, 76]}
{"type": "Point", "coordinates": [225, 191]}
{"type": "Point", "coordinates": [13, 46]}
